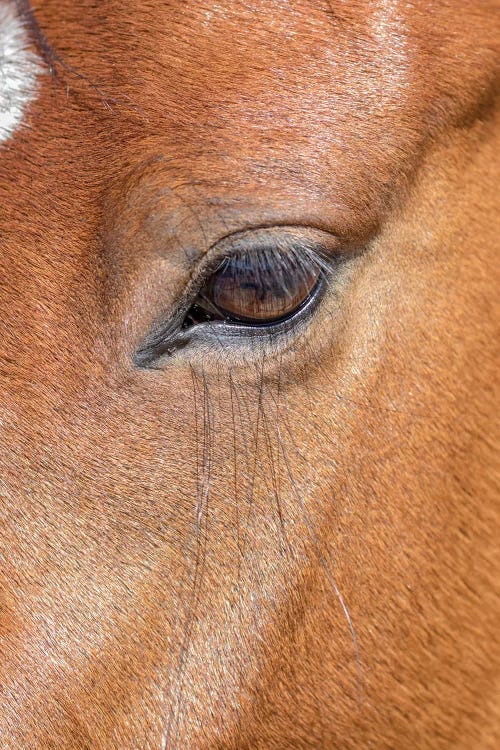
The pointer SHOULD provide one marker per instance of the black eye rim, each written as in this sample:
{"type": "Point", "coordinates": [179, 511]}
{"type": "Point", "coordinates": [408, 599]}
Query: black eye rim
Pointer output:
{"type": "Point", "coordinates": [168, 337]}
{"type": "Point", "coordinates": [223, 315]}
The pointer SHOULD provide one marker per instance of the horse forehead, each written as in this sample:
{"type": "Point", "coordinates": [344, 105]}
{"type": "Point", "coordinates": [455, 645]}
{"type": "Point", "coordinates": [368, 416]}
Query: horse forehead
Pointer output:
{"type": "Point", "coordinates": [347, 64]}
{"type": "Point", "coordinates": [329, 98]}
{"type": "Point", "coordinates": [375, 30]}
{"type": "Point", "coordinates": [322, 88]}
{"type": "Point", "coordinates": [370, 55]}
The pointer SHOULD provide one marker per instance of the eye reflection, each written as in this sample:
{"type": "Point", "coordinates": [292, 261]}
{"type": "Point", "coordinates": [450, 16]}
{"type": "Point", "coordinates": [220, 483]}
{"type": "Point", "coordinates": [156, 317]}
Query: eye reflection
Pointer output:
{"type": "Point", "coordinates": [256, 288]}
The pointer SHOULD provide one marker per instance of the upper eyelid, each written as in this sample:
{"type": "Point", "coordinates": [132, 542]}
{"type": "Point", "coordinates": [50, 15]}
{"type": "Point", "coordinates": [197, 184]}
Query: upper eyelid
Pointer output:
{"type": "Point", "coordinates": [324, 244]}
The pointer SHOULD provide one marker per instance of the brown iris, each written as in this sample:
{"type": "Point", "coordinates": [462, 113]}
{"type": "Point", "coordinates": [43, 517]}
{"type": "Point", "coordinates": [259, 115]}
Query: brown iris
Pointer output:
{"type": "Point", "coordinates": [256, 288]}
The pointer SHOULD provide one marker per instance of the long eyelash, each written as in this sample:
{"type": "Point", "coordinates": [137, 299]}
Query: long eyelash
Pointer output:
{"type": "Point", "coordinates": [293, 255]}
{"type": "Point", "coordinates": [299, 260]}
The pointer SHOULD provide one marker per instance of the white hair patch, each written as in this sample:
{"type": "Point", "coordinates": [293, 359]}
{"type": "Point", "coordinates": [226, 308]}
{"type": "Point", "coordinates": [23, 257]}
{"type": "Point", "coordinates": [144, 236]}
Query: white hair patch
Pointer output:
{"type": "Point", "coordinates": [19, 68]}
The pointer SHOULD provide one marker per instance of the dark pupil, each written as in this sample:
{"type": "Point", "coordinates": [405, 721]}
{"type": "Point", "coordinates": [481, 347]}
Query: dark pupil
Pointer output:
{"type": "Point", "coordinates": [258, 287]}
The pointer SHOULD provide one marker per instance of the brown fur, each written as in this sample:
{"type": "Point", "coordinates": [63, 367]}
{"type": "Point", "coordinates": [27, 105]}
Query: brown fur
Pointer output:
{"type": "Point", "coordinates": [177, 545]}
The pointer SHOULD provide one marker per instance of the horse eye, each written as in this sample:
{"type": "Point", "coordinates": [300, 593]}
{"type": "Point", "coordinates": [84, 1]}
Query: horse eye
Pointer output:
{"type": "Point", "coordinates": [257, 288]}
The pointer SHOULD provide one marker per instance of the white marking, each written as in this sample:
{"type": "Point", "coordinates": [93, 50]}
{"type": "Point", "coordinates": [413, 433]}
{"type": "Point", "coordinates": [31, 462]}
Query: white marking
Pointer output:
{"type": "Point", "coordinates": [19, 68]}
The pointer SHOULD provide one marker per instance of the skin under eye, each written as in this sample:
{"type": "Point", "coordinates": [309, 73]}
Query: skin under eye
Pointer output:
{"type": "Point", "coordinates": [257, 288]}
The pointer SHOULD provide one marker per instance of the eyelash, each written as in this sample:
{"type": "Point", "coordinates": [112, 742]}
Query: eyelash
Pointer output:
{"type": "Point", "coordinates": [291, 255]}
